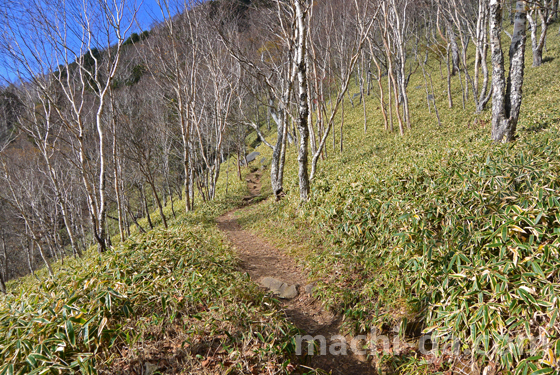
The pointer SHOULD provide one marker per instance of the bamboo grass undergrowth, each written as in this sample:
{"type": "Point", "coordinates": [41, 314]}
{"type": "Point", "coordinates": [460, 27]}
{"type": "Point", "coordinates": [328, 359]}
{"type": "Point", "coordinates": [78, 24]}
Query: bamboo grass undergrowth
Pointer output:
{"type": "Point", "coordinates": [170, 298]}
{"type": "Point", "coordinates": [440, 229]}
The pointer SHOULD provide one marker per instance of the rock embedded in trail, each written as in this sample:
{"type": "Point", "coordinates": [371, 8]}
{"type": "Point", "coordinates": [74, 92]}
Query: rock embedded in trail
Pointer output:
{"type": "Point", "coordinates": [289, 292]}
{"type": "Point", "coordinates": [309, 288]}
{"type": "Point", "coordinates": [280, 288]}
{"type": "Point", "coordinates": [271, 283]}
{"type": "Point", "coordinates": [269, 266]}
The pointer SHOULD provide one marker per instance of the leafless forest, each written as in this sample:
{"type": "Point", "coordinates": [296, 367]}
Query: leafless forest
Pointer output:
{"type": "Point", "coordinates": [100, 126]}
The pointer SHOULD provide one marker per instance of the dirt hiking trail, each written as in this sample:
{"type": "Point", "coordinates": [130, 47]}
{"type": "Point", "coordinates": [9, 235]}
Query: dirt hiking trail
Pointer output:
{"type": "Point", "coordinates": [267, 264]}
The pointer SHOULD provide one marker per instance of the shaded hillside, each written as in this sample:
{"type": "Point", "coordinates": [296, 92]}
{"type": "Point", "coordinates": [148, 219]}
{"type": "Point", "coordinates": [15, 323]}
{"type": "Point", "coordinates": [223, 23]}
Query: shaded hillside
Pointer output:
{"type": "Point", "coordinates": [10, 107]}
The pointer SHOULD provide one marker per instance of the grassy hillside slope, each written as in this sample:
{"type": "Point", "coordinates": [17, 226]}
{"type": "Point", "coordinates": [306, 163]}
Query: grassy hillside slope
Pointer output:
{"type": "Point", "coordinates": [439, 229]}
{"type": "Point", "coordinates": [172, 300]}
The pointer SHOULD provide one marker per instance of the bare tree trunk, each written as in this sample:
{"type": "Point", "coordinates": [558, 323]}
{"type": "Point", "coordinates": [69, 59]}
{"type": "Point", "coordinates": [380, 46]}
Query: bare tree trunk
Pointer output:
{"type": "Point", "coordinates": [282, 160]}
{"type": "Point", "coordinates": [448, 63]}
{"type": "Point", "coordinates": [363, 99]}
{"type": "Point", "coordinates": [101, 216]}
{"type": "Point", "coordinates": [477, 42]}
{"type": "Point", "coordinates": [140, 228]}
{"type": "Point", "coordinates": [117, 170]}
{"type": "Point", "coordinates": [2, 284]}
{"type": "Point", "coordinates": [433, 94]}
{"type": "Point", "coordinates": [158, 203]}
{"type": "Point", "coordinates": [481, 56]}
{"type": "Point", "coordinates": [303, 105]}
{"type": "Point", "coordinates": [277, 162]}
{"type": "Point", "coordinates": [404, 95]}
{"type": "Point", "coordinates": [319, 100]}
{"type": "Point", "coordinates": [454, 48]}
{"type": "Point", "coordinates": [227, 177]}
{"type": "Point", "coordinates": [277, 187]}
{"type": "Point", "coordinates": [399, 30]}
{"type": "Point", "coordinates": [185, 135]}
{"type": "Point", "coordinates": [239, 165]}
{"type": "Point", "coordinates": [342, 126]}
{"type": "Point", "coordinates": [29, 253]}
{"type": "Point", "coordinates": [268, 126]}
{"type": "Point", "coordinates": [464, 87]}
{"type": "Point", "coordinates": [391, 79]}
{"type": "Point", "coordinates": [146, 207]}
{"type": "Point", "coordinates": [381, 94]}
{"type": "Point", "coordinates": [310, 122]}
{"type": "Point", "coordinates": [390, 101]}
{"type": "Point", "coordinates": [506, 100]}
{"type": "Point", "coordinates": [191, 185]}
{"type": "Point", "coordinates": [537, 43]}
{"type": "Point", "coordinates": [4, 265]}
{"type": "Point", "coordinates": [397, 105]}
{"type": "Point", "coordinates": [44, 257]}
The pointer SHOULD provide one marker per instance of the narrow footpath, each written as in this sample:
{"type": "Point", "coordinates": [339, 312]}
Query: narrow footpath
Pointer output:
{"type": "Point", "coordinates": [278, 272]}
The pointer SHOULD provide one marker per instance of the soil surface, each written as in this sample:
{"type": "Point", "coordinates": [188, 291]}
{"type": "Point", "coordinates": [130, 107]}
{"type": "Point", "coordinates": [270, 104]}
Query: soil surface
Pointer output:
{"type": "Point", "coordinates": [259, 259]}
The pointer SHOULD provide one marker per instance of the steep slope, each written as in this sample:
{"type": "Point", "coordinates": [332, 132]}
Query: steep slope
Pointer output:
{"type": "Point", "coordinates": [439, 230]}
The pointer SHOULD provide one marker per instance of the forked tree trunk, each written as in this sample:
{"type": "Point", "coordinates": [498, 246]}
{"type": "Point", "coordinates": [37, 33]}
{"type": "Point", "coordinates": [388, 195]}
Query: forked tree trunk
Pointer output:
{"type": "Point", "coordinates": [506, 98]}
{"type": "Point", "coordinates": [480, 60]}
{"type": "Point", "coordinates": [537, 42]}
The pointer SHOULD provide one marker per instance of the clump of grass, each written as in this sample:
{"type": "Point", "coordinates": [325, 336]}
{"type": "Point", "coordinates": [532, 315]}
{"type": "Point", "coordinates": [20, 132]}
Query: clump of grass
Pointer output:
{"type": "Point", "coordinates": [179, 287]}
{"type": "Point", "coordinates": [469, 243]}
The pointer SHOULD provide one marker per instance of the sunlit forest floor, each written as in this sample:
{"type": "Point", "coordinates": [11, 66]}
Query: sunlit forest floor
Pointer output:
{"type": "Point", "coordinates": [440, 230]}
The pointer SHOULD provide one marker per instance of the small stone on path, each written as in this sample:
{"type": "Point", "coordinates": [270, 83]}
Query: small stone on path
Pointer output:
{"type": "Point", "coordinates": [289, 292]}
{"type": "Point", "coordinates": [272, 284]}
{"type": "Point", "coordinates": [280, 288]}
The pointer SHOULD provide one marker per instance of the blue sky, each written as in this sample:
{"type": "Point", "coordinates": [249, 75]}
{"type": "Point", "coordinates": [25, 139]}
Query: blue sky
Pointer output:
{"type": "Point", "coordinates": [148, 13]}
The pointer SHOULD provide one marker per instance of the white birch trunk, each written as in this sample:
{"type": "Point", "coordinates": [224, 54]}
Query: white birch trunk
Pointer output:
{"type": "Point", "coordinates": [537, 42]}
{"type": "Point", "coordinates": [303, 105]}
{"type": "Point", "coordinates": [506, 100]}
